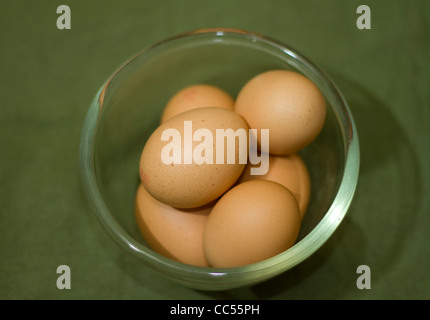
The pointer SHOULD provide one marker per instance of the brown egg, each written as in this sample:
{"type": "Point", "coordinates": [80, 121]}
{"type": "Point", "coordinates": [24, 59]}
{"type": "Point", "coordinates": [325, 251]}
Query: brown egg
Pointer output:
{"type": "Point", "coordinates": [288, 104]}
{"type": "Point", "coordinates": [174, 233]}
{"type": "Point", "coordinates": [291, 172]}
{"type": "Point", "coordinates": [253, 221]}
{"type": "Point", "coordinates": [196, 96]}
{"type": "Point", "coordinates": [181, 164]}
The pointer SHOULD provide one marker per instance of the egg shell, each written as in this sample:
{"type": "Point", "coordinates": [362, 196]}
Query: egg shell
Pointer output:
{"type": "Point", "coordinates": [288, 104]}
{"type": "Point", "coordinates": [196, 96]}
{"type": "Point", "coordinates": [192, 185]}
{"type": "Point", "coordinates": [290, 171]}
{"type": "Point", "coordinates": [253, 221]}
{"type": "Point", "coordinates": [176, 234]}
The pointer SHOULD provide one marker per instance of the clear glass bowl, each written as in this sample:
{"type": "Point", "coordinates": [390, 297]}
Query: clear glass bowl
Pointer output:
{"type": "Point", "coordinates": [127, 109]}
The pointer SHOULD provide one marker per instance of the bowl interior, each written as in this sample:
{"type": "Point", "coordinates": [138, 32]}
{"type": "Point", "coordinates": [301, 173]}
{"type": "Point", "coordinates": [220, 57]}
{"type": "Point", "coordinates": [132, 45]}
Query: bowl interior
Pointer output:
{"type": "Point", "coordinates": [133, 99]}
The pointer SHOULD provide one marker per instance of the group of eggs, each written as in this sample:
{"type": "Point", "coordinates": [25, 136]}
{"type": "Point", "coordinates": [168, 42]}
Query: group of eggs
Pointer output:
{"type": "Point", "coordinates": [218, 214]}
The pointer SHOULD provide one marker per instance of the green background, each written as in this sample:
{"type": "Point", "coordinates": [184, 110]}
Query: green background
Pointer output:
{"type": "Point", "coordinates": [48, 78]}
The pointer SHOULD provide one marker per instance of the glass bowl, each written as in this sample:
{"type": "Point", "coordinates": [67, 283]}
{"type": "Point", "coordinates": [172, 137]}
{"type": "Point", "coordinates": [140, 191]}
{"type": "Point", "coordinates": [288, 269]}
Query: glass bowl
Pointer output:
{"type": "Point", "coordinates": [127, 109]}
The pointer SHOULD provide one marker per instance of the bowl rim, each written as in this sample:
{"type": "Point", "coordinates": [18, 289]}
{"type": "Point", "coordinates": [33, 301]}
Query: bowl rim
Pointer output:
{"type": "Point", "coordinates": [225, 277]}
